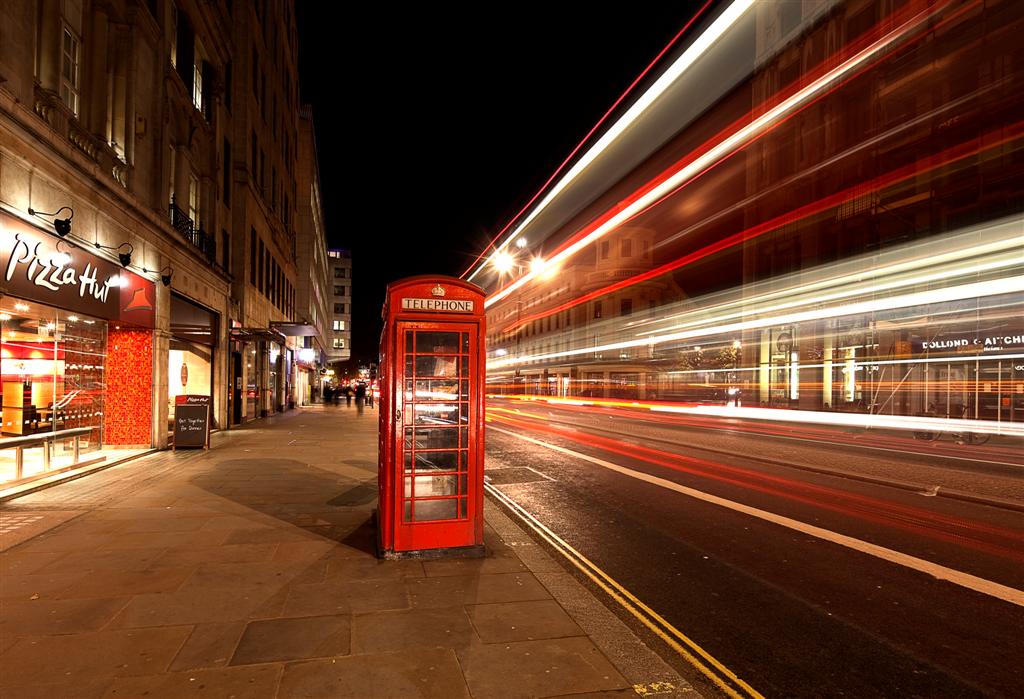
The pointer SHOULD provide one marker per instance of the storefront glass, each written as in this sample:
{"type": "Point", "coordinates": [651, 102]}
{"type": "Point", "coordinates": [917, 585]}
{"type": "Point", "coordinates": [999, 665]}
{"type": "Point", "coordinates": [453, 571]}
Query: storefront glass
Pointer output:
{"type": "Point", "coordinates": [52, 369]}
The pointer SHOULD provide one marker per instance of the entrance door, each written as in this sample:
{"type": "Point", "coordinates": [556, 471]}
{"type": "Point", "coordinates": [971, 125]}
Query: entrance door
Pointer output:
{"type": "Point", "coordinates": [236, 388]}
{"type": "Point", "coordinates": [437, 440]}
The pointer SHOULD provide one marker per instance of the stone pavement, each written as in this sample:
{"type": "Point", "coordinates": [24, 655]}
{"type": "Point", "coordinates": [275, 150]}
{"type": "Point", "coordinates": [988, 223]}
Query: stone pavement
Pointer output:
{"type": "Point", "coordinates": [249, 571]}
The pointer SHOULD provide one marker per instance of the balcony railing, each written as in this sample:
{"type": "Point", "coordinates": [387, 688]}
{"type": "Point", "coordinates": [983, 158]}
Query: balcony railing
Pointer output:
{"type": "Point", "coordinates": [206, 243]}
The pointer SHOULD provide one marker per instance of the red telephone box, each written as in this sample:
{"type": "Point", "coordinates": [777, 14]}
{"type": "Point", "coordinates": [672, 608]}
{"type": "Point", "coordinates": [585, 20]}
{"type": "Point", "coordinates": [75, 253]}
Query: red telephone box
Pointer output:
{"type": "Point", "coordinates": [431, 456]}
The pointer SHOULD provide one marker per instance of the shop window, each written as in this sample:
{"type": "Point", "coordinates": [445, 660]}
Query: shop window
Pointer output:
{"type": "Point", "coordinates": [52, 371]}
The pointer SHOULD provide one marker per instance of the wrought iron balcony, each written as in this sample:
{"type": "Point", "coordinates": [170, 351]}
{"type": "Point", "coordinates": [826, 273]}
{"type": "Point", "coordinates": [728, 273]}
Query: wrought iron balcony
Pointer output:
{"type": "Point", "coordinates": [206, 243]}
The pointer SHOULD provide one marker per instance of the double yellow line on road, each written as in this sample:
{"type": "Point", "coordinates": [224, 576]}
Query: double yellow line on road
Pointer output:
{"type": "Point", "coordinates": [721, 676]}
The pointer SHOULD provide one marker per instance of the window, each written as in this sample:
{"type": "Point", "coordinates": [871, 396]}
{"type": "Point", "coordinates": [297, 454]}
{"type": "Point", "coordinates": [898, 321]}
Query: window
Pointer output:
{"type": "Point", "coordinates": [193, 199]}
{"type": "Point", "coordinates": [339, 343]}
{"type": "Point", "coordinates": [339, 325]}
{"type": "Point", "coordinates": [70, 70]}
{"type": "Point", "coordinates": [644, 249]}
{"type": "Point", "coordinates": [225, 246]}
{"type": "Point", "coordinates": [339, 291]}
{"type": "Point", "coordinates": [197, 80]}
{"type": "Point", "coordinates": [226, 185]}
{"type": "Point", "coordinates": [252, 256]}
{"type": "Point", "coordinates": [261, 276]}
{"type": "Point", "coordinates": [604, 249]}
{"type": "Point", "coordinates": [627, 248]}
{"type": "Point", "coordinates": [171, 159]}
{"type": "Point", "coordinates": [597, 309]}
{"type": "Point", "coordinates": [627, 307]}
{"type": "Point", "coordinates": [339, 308]}
{"type": "Point", "coordinates": [339, 272]}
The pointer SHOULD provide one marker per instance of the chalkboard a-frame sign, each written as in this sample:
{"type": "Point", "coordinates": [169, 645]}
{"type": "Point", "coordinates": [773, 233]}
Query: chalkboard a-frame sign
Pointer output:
{"type": "Point", "coordinates": [192, 421]}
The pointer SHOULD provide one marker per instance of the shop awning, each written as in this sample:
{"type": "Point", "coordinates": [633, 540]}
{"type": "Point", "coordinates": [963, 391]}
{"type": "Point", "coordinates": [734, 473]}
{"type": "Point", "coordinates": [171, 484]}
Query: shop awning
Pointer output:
{"type": "Point", "coordinates": [294, 329]}
{"type": "Point", "coordinates": [254, 334]}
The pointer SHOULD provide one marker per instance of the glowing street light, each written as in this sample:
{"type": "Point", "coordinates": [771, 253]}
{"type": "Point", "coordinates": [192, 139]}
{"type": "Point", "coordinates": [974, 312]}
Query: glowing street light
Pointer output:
{"type": "Point", "coordinates": [504, 262]}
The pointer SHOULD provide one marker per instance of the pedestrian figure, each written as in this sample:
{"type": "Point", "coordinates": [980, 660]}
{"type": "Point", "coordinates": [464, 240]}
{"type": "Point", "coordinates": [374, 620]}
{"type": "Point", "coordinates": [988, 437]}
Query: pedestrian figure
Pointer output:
{"type": "Point", "coordinates": [348, 396]}
{"type": "Point", "coordinates": [369, 396]}
{"type": "Point", "coordinates": [327, 393]}
{"type": "Point", "coordinates": [360, 397]}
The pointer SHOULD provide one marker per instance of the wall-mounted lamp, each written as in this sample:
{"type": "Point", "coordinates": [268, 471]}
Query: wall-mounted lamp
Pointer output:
{"type": "Point", "coordinates": [124, 257]}
{"type": "Point", "coordinates": [61, 225]}
{"type": "Point", "coordinates": [165, 274]}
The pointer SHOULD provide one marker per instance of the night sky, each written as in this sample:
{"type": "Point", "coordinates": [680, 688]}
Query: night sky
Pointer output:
{"type": "Point", "coordinates": [431, 132]}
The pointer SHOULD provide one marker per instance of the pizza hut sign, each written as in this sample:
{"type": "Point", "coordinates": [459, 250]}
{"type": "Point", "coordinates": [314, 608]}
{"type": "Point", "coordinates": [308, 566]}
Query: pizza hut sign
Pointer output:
{"type": "Point", "coordinates": [32, 268]}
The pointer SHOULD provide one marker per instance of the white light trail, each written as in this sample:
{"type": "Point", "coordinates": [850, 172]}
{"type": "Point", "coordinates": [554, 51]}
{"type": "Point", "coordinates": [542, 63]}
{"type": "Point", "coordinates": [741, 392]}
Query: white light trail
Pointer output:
{"type": "Point", "coordinates": [954, 293]}
{"type": "Point", "coordinates": [703, 42]}
{"type": "Point", "coordinates": [726, 146]}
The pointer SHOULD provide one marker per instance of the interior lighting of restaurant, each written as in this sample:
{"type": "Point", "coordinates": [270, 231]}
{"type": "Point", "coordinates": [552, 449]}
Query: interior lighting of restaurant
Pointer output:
{"type": "Point", "coordinates": [62, 226]}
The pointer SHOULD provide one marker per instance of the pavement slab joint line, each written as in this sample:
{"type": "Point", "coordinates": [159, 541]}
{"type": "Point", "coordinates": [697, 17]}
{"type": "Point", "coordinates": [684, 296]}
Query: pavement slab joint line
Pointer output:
{"type": "Point", "coordinates": [940, 572]}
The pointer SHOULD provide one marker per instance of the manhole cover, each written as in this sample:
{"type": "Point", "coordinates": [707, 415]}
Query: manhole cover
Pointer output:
{"type": "Point", "coordinates": [507, 476]}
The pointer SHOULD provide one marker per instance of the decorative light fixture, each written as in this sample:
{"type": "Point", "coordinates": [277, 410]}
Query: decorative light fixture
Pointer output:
{"type": "Point", "coordinates": [61, 225]}
{"type": "Point", "coordinates": [165, 274]}
{"type": "Point", "coordinates": [124, 257]}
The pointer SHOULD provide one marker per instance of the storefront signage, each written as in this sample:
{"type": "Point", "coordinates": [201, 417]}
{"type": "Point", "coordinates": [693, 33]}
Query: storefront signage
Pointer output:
{"type": "Point", "coordinates": [32, 268]}
{"type": "Point", "coordinates": [192, 421]}
{"type": "Point", "coordinates": [989, 343]}
{"type": "Point", "coordinates": [443, 305]}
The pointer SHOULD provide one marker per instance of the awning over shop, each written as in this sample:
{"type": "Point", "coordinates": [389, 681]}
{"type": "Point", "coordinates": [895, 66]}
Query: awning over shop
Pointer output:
{"type": "Point", "coordinates": [255, 334]}
{"type": "Point", "coordinates": [294, 329]}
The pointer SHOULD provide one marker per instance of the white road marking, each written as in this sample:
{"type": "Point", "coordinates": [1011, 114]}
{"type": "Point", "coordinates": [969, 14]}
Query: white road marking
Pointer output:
{"type": "Point", "coordinates": [971, 582]}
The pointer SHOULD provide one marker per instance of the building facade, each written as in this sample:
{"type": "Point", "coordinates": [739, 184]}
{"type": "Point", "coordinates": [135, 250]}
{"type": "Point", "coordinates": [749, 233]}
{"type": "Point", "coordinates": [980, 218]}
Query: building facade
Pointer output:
{"type": "Point", "coordinates": [340, 285]}
{"type": "Point", "coordinates": [312, 301]}
{"type": "Point", "coordinates": [263, 153]}
{"type": "Point", "coordinates": [148, 189]}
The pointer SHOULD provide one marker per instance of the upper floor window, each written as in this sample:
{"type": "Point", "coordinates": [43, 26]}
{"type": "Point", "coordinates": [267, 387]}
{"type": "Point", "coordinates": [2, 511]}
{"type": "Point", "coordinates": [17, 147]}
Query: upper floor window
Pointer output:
{"type": "Point", "coordinates": [339, 325]}
{"type": "Point", "coordinates": [339, 343]}
{"type": "Point", "coordinates": [339, 272]}
{"type": "Point", "coordinates": [339, 291]}
{"type": "Point", "coordinates": [70, 70]}
{"type": "Point", "coordinates": [197, 83]}
{"type": "Point", "coordinates": [193, 199]}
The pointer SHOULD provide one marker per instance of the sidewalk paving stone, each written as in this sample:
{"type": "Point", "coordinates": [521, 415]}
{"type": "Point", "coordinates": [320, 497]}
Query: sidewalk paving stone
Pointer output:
{"type": "Point", "coordinates": [416, 628]}
{"type": "Point", "coordinates": [296, 638]}
{"type": "Point", "coordinates": [522, 621]}
{"type": "Point", "coordinates": [208, 646]}
{"type": "Point", "coordinates": [237, 683]}
{"type": "Point", "coordinates": [58, 616]}
{"type": "Point", "coordinates": [432, 673]}
{"type": "Point", "coordinates": [541, 669]}
{"type": "Point", "coordinates": [83, 656]}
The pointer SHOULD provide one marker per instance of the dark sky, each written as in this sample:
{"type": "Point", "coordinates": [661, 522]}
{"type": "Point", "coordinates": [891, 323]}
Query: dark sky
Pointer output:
{"type": "Point", "coordinates": [436, 126]}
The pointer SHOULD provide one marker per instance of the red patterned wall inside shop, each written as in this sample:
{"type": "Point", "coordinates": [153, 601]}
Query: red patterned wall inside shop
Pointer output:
{"type": "Point", "coordinates": [128, 407]}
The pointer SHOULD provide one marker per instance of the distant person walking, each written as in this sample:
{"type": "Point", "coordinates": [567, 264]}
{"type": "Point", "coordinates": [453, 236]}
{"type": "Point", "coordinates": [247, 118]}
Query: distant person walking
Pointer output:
{"type": "Point", "coordinates": [360, 396]}
{"type": "Point", "coordinates": [348, 396]}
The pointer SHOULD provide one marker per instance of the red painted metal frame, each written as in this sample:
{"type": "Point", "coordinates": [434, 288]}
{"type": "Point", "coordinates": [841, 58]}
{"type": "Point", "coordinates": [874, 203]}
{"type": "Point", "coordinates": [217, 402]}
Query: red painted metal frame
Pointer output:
{"type": "Point", "coordinates": [394, 535]}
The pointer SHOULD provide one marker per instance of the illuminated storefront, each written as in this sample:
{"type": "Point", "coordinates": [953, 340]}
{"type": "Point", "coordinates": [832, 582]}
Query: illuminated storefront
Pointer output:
{"type": "Point", "coordinates": [190, 356]}
{"type": "Point", "coordinates": [76, 351]}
